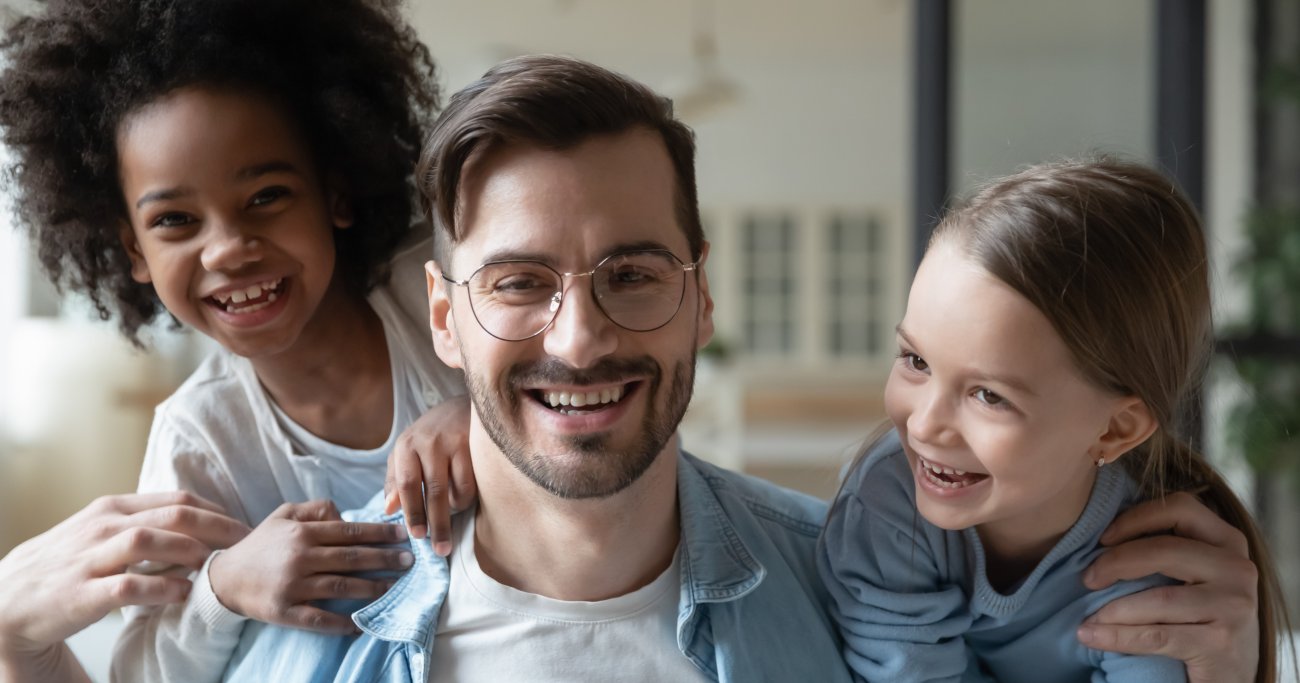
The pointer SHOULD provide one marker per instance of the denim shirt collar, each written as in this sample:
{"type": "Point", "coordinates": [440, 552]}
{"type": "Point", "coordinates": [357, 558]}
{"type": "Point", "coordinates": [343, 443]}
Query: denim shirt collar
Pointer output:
{"type": "Point", "coordinates": [716, 565]}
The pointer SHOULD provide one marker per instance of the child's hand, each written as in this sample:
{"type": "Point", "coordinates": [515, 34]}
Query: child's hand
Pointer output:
{"type": "Point", "coordinates": [433, 452]}
{"type": "Point", "coordinates": [301, 553]}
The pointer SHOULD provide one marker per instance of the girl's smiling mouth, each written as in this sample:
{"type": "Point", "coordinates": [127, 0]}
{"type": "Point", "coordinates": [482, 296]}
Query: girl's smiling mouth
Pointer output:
{"type": "Point", "coordinates": [248, 299]}
{"type": "Point", "coordinates": [947, 477]}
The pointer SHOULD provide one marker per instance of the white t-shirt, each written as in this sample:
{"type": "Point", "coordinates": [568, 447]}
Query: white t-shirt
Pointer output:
{"type": "Point", "coordinates": [220, 436]}
{"type": "Point", "coordinates": [488, 631]}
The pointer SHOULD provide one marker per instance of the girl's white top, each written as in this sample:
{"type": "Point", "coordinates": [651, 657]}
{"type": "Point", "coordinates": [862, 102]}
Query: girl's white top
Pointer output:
{"type": "Point", "coordinates": [220, 436]}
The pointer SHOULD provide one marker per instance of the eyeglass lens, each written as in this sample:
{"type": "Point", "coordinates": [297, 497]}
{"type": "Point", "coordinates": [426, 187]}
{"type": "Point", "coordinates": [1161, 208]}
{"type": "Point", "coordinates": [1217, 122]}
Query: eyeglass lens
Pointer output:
{"type": "Point", "coordinates": [639, 291]}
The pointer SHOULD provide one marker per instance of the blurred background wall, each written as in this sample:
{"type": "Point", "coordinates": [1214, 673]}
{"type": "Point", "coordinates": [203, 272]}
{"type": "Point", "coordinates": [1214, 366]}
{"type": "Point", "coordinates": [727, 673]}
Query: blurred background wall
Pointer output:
{"type": "Point", "coordinates": [806, 119]}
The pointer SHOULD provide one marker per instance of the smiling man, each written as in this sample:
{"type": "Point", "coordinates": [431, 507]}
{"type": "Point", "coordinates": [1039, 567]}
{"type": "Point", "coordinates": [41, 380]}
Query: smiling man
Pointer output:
{"type": "Point", "coordinates": [570, 288]}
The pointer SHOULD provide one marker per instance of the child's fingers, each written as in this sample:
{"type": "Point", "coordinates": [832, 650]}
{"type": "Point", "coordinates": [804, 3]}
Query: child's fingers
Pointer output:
{"type": "Point", "coordinates": [463, 486]}
{"type": "Point", "coordinates": [334, 587]}
{"type": "Point", "coordinates": [311, 511]}
{"type": "Point", "coordinates": [311, 618]}
{"type": "Point", "coordinates": [391, 500]}
{"type": "Point", "coordinates": [350, 559]}
{"type": "Point", "coordinates": [409, 479]}
{"type": "Point", "coordinates": [439, 507]}
{"type": "Point", "coordinates": [353, 533]}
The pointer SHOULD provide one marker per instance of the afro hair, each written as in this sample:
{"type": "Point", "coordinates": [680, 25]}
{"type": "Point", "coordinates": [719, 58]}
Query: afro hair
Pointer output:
{"type": "Point", "coordinates": [352, 75]}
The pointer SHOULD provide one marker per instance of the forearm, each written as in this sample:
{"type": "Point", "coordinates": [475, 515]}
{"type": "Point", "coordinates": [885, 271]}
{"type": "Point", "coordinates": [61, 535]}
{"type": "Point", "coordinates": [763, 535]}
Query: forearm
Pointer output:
{"type": "Point", "coordinates": [55, 664]}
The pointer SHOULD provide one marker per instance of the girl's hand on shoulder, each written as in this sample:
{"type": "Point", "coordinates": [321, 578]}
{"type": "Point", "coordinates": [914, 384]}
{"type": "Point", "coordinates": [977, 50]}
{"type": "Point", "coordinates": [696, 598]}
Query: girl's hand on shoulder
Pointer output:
{"type": "Point", "coordinates": [305, 552]}
{"type": "Point", "coordinates": [1211, 621]}
{"type": "Point", "coordinates": [72, 575]}
{"type": "Point", "coordinates": [430, 474]}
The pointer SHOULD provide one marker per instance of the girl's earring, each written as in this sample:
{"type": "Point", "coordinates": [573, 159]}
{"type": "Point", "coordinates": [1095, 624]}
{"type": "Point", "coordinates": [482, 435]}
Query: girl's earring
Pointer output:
{"type": "Point", "coordinates": [1101, 462]}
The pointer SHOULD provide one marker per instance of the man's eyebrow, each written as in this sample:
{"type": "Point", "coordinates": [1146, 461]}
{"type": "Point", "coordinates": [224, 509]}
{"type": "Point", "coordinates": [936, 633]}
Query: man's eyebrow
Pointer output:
{"type": "Point", "coordinates": [510, 254]}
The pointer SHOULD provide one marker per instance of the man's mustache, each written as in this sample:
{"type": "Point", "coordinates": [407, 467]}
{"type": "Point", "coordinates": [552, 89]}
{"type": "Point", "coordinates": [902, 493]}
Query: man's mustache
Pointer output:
{"type": "Point", "coordinates": [556, 371]}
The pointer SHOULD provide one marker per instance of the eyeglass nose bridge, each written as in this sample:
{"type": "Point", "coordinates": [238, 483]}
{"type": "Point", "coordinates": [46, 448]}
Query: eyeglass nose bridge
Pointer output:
{"type": "Point", "coordinates": [557, 298]}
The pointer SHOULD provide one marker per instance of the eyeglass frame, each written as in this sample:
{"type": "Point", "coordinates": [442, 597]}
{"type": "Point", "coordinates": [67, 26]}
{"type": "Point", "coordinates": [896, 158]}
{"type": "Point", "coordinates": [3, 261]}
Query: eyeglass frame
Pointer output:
{"type": "Point", "coordinates": [692, 267]}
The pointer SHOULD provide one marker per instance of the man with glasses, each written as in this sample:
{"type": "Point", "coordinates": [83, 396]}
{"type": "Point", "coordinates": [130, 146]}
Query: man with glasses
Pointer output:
{"type": "Point", "coordinates": [570, 287]}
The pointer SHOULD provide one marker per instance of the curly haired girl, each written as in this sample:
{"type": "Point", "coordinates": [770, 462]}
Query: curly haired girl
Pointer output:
{"type": "Point", "coordinates": [244, 167]}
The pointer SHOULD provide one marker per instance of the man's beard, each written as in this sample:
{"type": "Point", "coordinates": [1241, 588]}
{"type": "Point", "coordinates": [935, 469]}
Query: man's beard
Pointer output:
{"type": "Point", "coordinates": [602, 471]}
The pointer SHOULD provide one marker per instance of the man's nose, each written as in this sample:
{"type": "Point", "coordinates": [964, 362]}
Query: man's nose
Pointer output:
{"type": "Point", "coordinates": [581, 334]}
{"type": "Point", "coordinates": [230, 245]}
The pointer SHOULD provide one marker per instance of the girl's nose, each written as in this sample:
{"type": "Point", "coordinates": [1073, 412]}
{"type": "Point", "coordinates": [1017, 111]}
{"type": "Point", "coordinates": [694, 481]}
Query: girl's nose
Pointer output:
{"type": "Point", "coordinates": [931, 419]}
{"type": "Point", "coordinates": [230, 247]}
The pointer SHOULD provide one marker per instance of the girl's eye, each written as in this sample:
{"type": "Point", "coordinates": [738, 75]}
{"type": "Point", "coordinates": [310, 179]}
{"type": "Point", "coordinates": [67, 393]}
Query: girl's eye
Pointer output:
{"type": "Point", "coordinates": [268, 195]}
{"type": "Point", "coordinates": [171, 220]}
{"type": "Point", "coordinates": [913, 362]}
{"type": "Point", "coordinates": [989, 398]}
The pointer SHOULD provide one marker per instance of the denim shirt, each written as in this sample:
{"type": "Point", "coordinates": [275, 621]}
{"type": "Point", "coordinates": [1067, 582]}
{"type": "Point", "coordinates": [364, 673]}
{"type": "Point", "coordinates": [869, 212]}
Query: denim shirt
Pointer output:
{"type": "Point", "coordinates": [751, 609]}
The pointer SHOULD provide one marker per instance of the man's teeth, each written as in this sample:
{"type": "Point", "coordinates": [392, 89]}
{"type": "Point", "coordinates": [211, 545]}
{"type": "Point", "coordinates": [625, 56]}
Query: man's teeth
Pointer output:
{"type": "Point", "coordinates": [578, 399]}
{"type": "Point", "coordinates": [249, 293]}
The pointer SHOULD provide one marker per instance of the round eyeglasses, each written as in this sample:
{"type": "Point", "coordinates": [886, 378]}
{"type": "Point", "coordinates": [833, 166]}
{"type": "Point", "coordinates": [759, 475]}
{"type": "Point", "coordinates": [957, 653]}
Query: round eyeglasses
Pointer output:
{"type": "Point", "coordinates": [517, 300]}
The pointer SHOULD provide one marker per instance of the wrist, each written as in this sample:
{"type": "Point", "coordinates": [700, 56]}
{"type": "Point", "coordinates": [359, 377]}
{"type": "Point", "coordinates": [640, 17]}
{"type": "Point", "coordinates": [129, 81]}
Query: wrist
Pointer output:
{"type": "Point", "coordinates": [51, 663]}
{"type": "Point", "coordinates": [224, 595]}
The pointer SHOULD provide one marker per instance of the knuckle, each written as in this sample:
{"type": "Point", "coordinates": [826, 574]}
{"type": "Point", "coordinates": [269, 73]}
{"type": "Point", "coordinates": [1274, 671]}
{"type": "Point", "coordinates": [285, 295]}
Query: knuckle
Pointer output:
{"type": "Point", "coordinates": [339, 587]}
{"type": "Point", "coordinates": [179, 516]}
{"type": "Point", "coordinates": [1155, 639]}
{"type": "Point", "coordinates": [1165, 596]}
{"type": "Point", "coordinates": [106, 503]}
{"type": "Point", "coordinates": [123, 590]}
{"type": "Point", "coordinates": [1218, 637]}
{"type": "Point", "coordinates": [100, 529]}
{"type": "Point", "coordinates": [315, 621]}
{"type": "Point", "coordinates": [138, 538]}
{"type": "Point", "coordinates": [296, 534]}
{"type": "Point", "coordinates": [184, 498]}
{"type": "Point", "coordinates": [1247, 572]}
{"type": "Point", "coordinates": [407, 478]}
{"type": "Point", "coordinates": [350, 556]}
{"type": "Point", "coordinates": [352, 529]}
{"type": "Point", "coordinates": [1243, 606]}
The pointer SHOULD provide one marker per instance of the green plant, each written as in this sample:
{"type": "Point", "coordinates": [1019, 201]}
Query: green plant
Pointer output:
{"type": "Point", "coordinates": [1265, 348]}
{"type": "Point", "coordinates": [1265, 351]}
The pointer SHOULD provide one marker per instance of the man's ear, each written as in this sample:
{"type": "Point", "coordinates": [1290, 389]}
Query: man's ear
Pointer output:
{"type": "Point", "coordinates": [139, 267]}
{"type": "Point", "coordinates": [442, 324]}
{"type": "Point", "coordinates": [704, 331]}
{"type": "Point", "coordinates": [1130, 425]}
